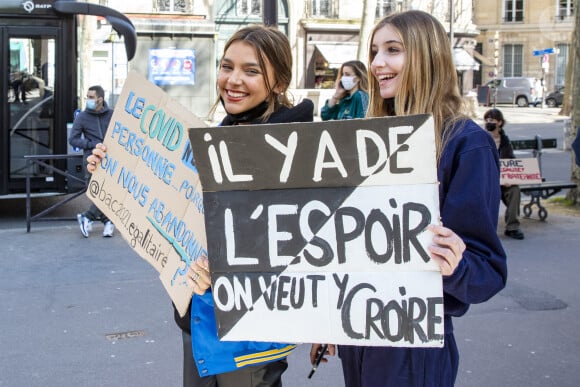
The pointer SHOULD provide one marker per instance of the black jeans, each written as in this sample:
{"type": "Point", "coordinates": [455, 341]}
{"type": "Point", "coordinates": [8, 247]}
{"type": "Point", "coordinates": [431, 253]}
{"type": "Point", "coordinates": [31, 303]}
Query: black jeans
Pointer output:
{"type": "Point", "coordinates": [93, 213]}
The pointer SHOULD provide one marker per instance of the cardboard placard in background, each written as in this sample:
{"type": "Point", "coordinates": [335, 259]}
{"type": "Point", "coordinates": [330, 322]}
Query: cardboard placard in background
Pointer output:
{"type": "Point", "coordinates": [148, 185]}
{"type": "Point", "coordinates": [520, 171]}
{"type": "Point", "coordinates": [317, 231]}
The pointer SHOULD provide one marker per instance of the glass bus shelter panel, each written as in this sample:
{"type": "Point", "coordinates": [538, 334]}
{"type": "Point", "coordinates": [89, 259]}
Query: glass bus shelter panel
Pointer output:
{"type": "Point", "coordinates": [31, 103]}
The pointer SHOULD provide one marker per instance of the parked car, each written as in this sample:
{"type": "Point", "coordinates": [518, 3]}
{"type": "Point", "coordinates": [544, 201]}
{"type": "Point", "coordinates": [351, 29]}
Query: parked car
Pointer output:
{"type": "Point", "coordinates": [555, 98]}
{"type": "Point", "coordinates": [513, 90]}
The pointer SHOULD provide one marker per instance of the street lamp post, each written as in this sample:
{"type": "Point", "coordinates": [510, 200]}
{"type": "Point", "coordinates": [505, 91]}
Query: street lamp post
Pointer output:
{"type": "Point", "coordinates": [496, 62]}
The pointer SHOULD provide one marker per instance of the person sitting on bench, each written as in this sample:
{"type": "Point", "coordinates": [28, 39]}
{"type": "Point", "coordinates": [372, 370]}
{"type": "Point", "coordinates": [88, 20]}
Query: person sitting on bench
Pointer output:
{"type": "Point", "coordinates": [510, 194]}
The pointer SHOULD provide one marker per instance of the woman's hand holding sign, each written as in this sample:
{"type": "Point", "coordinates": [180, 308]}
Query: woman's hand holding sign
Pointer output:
{"type": "Point", "coordinates": [198, 276]}
{"type": "Point", "coordinates": [447, 249]}
{"type": "Point", "coordinates": [99, 153]}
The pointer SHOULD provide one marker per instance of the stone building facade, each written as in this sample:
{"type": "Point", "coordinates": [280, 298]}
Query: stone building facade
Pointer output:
{"type": "Point", "coordinates": [518, 32]}
{"type": "Point", "coordinates": [325, 33]}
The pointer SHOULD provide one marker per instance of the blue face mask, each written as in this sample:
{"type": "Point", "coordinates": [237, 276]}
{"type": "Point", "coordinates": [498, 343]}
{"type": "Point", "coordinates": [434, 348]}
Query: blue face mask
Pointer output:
{"type": "Point", "coordinates": [91, 104]}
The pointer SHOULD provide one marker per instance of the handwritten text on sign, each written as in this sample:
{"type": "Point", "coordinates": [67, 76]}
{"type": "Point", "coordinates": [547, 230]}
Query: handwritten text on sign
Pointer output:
{"type": "Point", "coordinates": [148, 185]}
{"type": "Point", "coordinates": [520, 171]}
{"type": "Point", "coordinates": [321, 228]}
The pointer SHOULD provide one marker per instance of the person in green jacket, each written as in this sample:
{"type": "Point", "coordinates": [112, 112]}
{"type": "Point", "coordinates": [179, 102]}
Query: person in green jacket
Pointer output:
{"type": "Point", "coordinates": [350, 99]}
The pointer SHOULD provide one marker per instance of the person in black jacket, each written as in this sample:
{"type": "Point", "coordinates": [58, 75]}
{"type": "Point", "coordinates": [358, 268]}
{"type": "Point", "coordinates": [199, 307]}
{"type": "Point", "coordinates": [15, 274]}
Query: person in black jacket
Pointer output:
{"type": "Point", "coordinates": [89, 128]}
{"type": "Point", "coordinates": [255, 72]}
{"type": "Point", "coordinates": [510, 194]}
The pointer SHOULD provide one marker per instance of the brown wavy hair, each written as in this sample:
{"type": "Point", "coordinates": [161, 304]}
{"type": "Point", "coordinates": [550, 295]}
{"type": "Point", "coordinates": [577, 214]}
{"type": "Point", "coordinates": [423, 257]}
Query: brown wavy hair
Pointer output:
{"type": "Point", "coordinates": [271, 46]}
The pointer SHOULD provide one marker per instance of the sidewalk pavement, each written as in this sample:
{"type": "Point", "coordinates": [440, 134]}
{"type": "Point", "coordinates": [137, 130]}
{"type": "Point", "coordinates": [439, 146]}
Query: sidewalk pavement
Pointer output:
{"type": "Point", "coordinates": [89, 312]}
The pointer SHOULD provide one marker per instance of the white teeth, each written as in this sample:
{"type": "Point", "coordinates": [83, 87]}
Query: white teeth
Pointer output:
{"type": "Point", "coordinates": [234, 94]}
{"type": "Point", "coordinates": [383, 77]}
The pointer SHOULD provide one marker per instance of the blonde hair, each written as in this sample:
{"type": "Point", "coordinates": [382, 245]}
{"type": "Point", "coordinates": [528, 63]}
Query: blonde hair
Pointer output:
{"type": "Point", "coordinates": [271, 46]}
{"type": "Point", "coordinates": [428, 79]}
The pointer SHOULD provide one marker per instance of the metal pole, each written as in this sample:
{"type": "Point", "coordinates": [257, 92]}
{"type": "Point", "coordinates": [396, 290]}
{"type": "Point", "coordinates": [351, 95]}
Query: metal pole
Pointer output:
{"type": "Point", "coordinates": [270, 12]}
{"type": "Point", "coordinates": [543, 71]}
{"type": "Point", "coordinates": [495, 69]}
{"type": "Point", "coordinates": [451, 12]}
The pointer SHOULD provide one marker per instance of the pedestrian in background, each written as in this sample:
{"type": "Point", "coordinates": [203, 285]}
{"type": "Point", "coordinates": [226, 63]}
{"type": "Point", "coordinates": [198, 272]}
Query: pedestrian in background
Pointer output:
{"type": "Point", "coordinates": [89, 128]}
{"type": "Point", "coordinates": [510, 194]}
{"type": "Point", "coordinates": [17, 82]}
{"type": "Point", "coordinates": [350, 98]}
{"type": "Point", "coordinates": [412, 72]}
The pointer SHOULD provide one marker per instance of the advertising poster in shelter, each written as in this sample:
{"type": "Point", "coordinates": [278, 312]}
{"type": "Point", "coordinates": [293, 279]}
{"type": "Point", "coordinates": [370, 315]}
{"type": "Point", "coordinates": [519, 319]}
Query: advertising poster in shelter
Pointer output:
{"type": "Point", "coordinates": [317, 232]}
{"type": "Point", "coordinates": [148, 185]}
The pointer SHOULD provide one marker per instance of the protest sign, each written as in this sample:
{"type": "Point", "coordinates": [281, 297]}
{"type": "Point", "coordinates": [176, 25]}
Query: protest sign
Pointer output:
{"type": "Point", "coordinates": [520, 171]}
{"type": "Point", "coordinates": [317, 231]}
{"type": "Point", "coordinates": [148, 185]}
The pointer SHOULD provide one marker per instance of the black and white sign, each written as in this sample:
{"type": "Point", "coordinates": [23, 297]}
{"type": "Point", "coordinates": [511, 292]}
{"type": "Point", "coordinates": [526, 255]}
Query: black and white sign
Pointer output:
{"type": "Point", "coordinates": [316, 232]}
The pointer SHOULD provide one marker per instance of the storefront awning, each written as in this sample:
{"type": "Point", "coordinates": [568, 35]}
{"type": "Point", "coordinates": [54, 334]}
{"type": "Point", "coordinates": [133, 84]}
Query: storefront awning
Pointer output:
{"type": "Point", "coordinates": [464, 61]}
{"type": "Point", "coordinates": [336, 54]}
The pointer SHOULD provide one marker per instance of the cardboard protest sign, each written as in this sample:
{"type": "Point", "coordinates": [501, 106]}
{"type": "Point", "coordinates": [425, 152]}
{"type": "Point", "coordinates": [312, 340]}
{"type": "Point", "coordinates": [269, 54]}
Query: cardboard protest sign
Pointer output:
{"type": "Point", "coordinates": [519, 171]}
{"type": "Point", "coordinates": [317, 231]}
{"type": "Point", "coordinates": [148, 185]}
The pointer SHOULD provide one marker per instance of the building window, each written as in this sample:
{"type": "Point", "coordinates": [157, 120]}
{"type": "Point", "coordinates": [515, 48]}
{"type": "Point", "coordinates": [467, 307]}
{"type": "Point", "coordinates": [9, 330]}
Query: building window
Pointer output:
{"type": "Point", "coordinates": [512, 60]}
{"type": "Point", "coordinates": [561, 63]}
{"type": "Point", "coordinates": [321, 8]}
{"type": "Point", "coordinates": [249, 7]}
{"type": "Point", "coordinates": [176, 6]}
{"type": "Point", "coordinates": [387, 7]}
{"type": "Point", "coordinates": [514, 11]}
{"type": "Point", "coordinates": [565, 9]}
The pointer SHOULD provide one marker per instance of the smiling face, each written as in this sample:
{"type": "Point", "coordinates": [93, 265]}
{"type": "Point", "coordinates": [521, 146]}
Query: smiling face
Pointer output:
{"type": "Point", "coordinates": [241, 80]}
{"type": "Point", "coordinates": [388, 60]}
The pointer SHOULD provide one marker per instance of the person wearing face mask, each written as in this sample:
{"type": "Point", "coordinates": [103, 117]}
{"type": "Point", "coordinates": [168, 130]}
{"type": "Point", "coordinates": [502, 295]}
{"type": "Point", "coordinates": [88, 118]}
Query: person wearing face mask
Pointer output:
{"type": "Point", "coordinates": [89, 128]}
{"type": "Point", "coordinates": [350, 99]}
{"type": "Point", "coordinates": [510, 194]}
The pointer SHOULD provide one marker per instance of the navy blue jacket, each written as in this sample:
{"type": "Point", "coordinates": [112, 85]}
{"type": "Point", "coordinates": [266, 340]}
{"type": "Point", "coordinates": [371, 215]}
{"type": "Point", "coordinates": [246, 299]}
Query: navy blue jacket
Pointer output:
{"type": "Point", "coordinates": [469, 195]}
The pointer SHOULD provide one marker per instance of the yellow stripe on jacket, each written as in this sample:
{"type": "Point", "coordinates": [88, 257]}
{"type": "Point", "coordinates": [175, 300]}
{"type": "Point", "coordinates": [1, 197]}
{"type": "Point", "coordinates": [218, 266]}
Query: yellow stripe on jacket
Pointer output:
{"type": "Point", "coordinates": [261, 357]}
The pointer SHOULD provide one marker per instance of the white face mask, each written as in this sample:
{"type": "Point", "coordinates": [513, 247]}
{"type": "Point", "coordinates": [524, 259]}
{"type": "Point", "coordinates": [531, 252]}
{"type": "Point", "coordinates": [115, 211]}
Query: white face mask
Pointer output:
{"type": "Point", "coordinates": [347, 82]}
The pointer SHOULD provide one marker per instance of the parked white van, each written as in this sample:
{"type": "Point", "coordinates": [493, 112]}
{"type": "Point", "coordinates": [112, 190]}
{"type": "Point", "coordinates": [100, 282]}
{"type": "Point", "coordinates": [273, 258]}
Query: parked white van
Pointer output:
{"type": "Point", "coordinates": [520, 91]}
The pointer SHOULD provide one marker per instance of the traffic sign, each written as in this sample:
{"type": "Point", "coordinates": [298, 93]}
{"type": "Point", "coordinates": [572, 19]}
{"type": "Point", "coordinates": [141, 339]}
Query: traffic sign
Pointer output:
{"type": "Point", "coordinates": [544, 51]}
